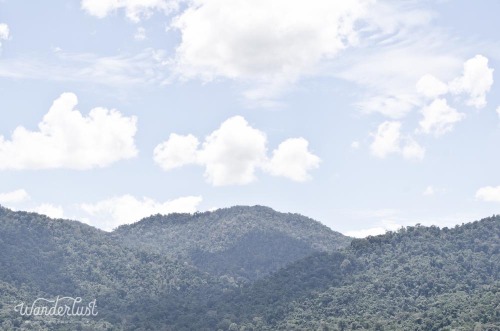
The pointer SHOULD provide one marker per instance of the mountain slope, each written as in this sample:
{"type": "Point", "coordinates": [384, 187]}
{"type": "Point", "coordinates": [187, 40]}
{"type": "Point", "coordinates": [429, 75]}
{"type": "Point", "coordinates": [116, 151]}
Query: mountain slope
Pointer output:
{"type": "Point", "coordinates": [42, 257]}
{"type": "Point", "coordinates": [418, 278]}
{"type": "Point", "coordinates": [245, 243]}
{"type": "Point", "coordinates": [145, 286]}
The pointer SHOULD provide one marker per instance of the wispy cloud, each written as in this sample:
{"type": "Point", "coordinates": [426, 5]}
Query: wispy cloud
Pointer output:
{"type": "Point", "coordinates": [134, 10]}
{"type": "Point", "coordinates": [147, 67]}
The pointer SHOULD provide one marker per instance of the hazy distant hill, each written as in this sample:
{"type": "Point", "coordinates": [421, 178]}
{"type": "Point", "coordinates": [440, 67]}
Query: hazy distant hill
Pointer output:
{"type": "Point", "coordinates": [242, 242]}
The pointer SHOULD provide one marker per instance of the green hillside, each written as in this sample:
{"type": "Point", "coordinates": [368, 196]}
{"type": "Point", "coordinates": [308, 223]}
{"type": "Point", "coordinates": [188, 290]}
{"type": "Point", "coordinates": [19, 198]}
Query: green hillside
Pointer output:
{"type": "Point", "coordinates": [250, 268]}
{"type": "Point", "coordinates": [245, 243]}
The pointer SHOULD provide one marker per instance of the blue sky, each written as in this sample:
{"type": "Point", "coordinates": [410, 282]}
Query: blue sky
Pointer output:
{"type": "Point", "coordinates": [365, 115]}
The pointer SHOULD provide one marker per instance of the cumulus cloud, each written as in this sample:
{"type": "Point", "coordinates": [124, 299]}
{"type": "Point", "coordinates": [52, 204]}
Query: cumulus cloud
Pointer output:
{"type": "Point", "coordinates": [476, 81]}
{"type": "Point", "coordinates": [111, 213]}
{"type": "Point", "coordinates": [439, 118]}
{"type": "Point", "coordinates": [135, 10]}
{"type": "Point", "coordinates": [4, 33]}
{"type": "Point", "coordinates": [431, 87]}
{"type": "Point", "coordinates": [412, 150]}
{"type": "Point", "coordinates": [498, 111]}
{"type": "Point", "coordinates": [13, 197]}
{"type": "Point", "coordinates": [389, 140]}
{"type": "Point", "coordinates": [67, 139]}
{"type": "Point", "coordinates": [177, 151]}
{"type": "Point", "coordinates": [266, 42]}
{"type": "Point", "coordinates": [388, 71]}
{"type": "Point", "coordinates": [50, 210]}
{"type": "Point", "coordinates": [488, 193]}
{"type": "Point", "coordinates": [293, 160]}
{"type": "Point", "coordinates": [234, 152]}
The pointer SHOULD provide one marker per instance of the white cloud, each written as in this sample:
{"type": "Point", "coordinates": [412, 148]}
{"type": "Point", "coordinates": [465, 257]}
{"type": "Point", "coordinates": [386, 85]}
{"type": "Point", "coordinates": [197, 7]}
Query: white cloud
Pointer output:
{"type": "Point", "coordinates": [14, 197]}
{"type": "Point", "coordinates": [388, 140]}
{"type": "Point", "coordinates": [111, 213]}
{"type": "Point", "coordinates": [429, 190]}
{"type": "Point", "coordinates": [389, 72]}
{"type": "Point", "coordinates": [271, 43]}
{"type": "Point", "coordinates": [355, 145]}
{"type": "Point", "coordinates": [366, 232]}
{"type": "Point", "coordinates": [233, 153]}
{"type": "Point", "coordinates": [386, 71]}
{"type": "Point", "coordinates": [385, 225]}
{"type": "Point", "coordinates": [293, 160]}
{"type": "Point", "coordinates": [432, 190]}
{"type": "Point", "coordinates": [476, 81]}
{"type": "Point", "coordinates": [50, 210]}
{"type": "Point", "coordinates": [392, 106]}
{"type": "Point", "coordinates": [67, 139]}
{"type": "Point", "coordinates": [134, 9]}
{"type": "Point", "coordinates": [4, 31]}
{"type": "Point", "coordinates": [431, 87]}
{"type": "Point", "coordinates": [488, 193]}
{"type": "Point", "coordinates": [176, 152]}
{"type": "Point", "coordinates": [140, 34]}
{"type": "Point", "coordinates": [498, 111]}
{"type": "Point", "coordinates": [146, 67]}
{"type": "Point", "coordinates": [439, 118]}
{"type": "Point", "coordinates": [412, 150]}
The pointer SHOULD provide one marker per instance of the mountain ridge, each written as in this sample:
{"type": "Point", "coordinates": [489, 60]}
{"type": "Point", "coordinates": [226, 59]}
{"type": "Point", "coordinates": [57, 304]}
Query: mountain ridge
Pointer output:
{"type": "Point", "coordinates": [209, 239]}
{"type": "Point", "coordinates": [416, 278]}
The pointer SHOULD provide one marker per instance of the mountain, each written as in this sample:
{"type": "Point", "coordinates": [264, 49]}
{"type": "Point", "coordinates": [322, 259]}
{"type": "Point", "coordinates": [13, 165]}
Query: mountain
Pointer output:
{"type": "Point", "coordinates": [244, 243]}
{"type": "Point", "coordinates": [148, 271]}
{"type": "Point", "coordinates": [43, 257]}
{"type": "Point", "coordinates": [419, 278]}
{"type": "Point", "coordinates": [176, 273]}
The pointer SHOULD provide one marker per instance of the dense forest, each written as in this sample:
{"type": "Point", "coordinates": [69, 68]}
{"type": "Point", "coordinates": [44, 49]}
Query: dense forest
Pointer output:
{"type": "Point", "coordinates": [250, 268]}
{"type": "Point", "coordinates": [236, 242]}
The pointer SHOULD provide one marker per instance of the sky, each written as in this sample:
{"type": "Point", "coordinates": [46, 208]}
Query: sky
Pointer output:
{"type": "Point", "coordinates": [364, 115]}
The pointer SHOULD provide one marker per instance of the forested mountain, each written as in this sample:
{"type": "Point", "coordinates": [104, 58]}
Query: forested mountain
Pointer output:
{"type": "Point", "coordinates": [42, 257]}
{"type": "Point", "coordinates": [244, 243]}
{"type": "Point", "coordinates": [419, 278]}
{"type": "Point", "coordinates": [185, 259]}
{"type": "Point", "coordinates": [183, 277]}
